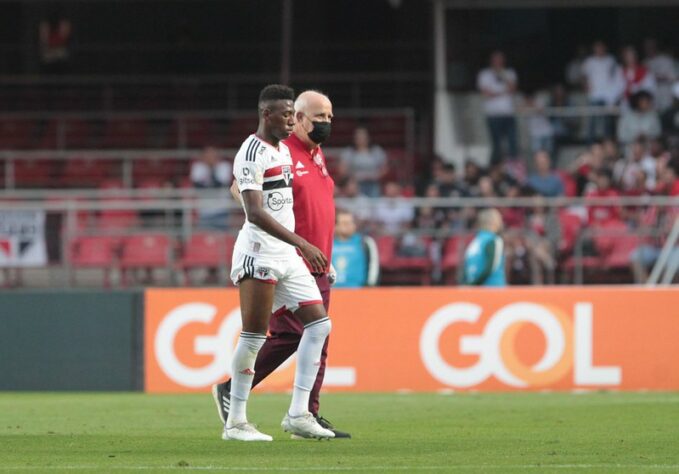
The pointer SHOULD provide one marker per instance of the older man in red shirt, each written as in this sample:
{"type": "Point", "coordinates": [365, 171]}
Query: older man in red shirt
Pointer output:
{"type": "Point", "coordinates": [314, 210]}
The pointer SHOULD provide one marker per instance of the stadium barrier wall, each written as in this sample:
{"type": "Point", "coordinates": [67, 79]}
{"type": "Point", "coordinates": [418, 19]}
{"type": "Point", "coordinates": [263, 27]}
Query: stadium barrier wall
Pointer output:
{"type": "Point", "coordinates": [71, 340]}
{"type": "Point", "coordinates": [433, 339]}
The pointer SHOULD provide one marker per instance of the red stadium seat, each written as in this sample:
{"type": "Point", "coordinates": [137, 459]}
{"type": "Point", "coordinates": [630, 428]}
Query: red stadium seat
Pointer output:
{"type": "Point", "coordinates": [16, 133]}
{"type": "Point", "coordinates": [126, 133]}
{"type": "Point", "coordinates": [94, 252]}
{"type": "Point", "coordinates": [68, 133]}
{"type": "Point", "coordinates": [146, 251]}
{"type": "Point", "coordinates": [168, 171]}
{"type": "Point", "coordinates": [570, 229]}
{"type": "Point", "coordinates": [395, 269]}
{"type": "Point", "coordinates": [88, 172]}
{"type": "Point", "coordinates": [570, 186]}
{"type": "Point", "coordinates": [453, 256]}
{"type": "Point", "coordinates": [34, 173]}
{"type": "Point", "coordinates": [205, 250]}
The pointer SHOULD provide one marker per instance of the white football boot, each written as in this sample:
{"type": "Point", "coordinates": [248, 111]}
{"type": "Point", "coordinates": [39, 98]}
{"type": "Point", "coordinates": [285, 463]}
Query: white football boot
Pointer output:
{"type": "Point", "coordinates": [244, 432]}
{"type": "Point", "coordinates": [305, 426]}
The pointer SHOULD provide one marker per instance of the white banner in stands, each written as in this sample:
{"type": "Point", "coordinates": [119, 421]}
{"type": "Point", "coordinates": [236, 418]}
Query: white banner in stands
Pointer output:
{"type": "Point", "coordinates": [22, 239]}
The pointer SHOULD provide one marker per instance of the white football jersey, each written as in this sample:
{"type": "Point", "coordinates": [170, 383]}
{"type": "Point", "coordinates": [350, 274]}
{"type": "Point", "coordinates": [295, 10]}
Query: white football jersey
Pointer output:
{"type": "Point", "coordinates": [260, 166]}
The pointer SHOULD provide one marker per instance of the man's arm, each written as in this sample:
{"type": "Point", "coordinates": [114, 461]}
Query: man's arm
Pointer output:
{"type": "Point", "coordinates": [253, 204]}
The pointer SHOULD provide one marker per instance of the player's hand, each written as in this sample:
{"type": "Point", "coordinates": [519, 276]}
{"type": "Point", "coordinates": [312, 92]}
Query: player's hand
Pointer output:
{"type": "Point", "coordinates": [315, 257]}
{"type": "Point", "coordinates": [332, 275]}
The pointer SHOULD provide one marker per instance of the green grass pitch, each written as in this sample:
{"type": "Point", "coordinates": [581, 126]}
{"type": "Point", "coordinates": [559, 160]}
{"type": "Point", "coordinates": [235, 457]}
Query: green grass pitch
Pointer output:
{"type": "Point", "coordinates": [549, 432]}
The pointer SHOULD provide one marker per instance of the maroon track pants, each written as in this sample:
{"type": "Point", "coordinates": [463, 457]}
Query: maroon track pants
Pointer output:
{"type": "Point", "coordinates": [285, 333]}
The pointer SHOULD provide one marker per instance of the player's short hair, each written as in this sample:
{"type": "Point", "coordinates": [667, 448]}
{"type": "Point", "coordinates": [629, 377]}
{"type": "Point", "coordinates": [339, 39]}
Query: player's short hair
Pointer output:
{"type": "Point", "coordinates": [274, 92]}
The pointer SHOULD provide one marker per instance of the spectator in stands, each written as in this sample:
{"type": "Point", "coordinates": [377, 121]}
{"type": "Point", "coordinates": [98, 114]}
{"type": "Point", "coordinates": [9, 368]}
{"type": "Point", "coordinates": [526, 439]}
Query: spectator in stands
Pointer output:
{"type": "Point", "coordinates": [542, 239]}
{"type": "Point", "coordinates": [55, 39]}
{"type": "Point", "coordinates": [445, 179]}
{"type": "Point", "coordinates": [668, 179]}
{"type": "Point", "coordinates": [497, 84]}
{"type": "Point", "coordinates": [470, 180]}
{"type": "Point", "coordinates": [611, 151]}
{"type": "Point", "coordinates": [563, 127]}
{"type": "Point", "coordinates": [641, 121]}
{"type": "Point", "coordinates": [209, 171]}
{"type": "Point", "coordinates": [358, 204]}
{"type": "Point", "coordinates": [540, 128]}
{"type": "Point", "coordinates": [366, 162]}
{"type": "Point", "coordinates": [354, 255]}
{"type": "Point", "coordinates": [604, 83]}
{"type": "Point", "coordinates": [626, 172]}
{"type": "Point", "coordinates": [503, 182]}
{"type": "Point", "coordinates": [396, 213]}
{"type": "Point", "coordinates": [661, 65]}
{"type": "Point", "coordinates": [544, 181]}
{"type": "Point", "coordinates": [600, 213]}
{"type": "Point", "coordinates": [637, 76]}
{"type": "Point", "coordinates": [670, 118]}
{"type": "Point", "coordinates": [573, 72]}
{"type": "Point", "coordinates": [584, 170]}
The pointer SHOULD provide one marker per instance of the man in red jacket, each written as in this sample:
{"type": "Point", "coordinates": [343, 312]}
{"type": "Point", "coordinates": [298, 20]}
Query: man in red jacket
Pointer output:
{"type": "Point", "coordinates": [314, 210]}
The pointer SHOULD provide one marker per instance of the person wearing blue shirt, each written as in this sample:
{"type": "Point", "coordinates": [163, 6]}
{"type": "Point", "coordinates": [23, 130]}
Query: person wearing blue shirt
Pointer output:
{"type": "Point", "coordinates": [354, 256]}
{"type": "Point", "coordinates": [544, 181]}
{"type": "Point", "coordinates": [484, 260]}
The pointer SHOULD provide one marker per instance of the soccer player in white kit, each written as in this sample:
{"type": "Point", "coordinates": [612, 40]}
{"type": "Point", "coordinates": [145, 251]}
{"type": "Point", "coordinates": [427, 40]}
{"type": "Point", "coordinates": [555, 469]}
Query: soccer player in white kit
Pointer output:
{"type": "Point", "coordinates": [269, 271]}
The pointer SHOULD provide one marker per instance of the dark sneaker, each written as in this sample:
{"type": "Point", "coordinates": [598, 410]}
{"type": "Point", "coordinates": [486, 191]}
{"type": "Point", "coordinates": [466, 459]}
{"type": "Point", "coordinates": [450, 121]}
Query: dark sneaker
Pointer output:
{"type": "Point", "coordinates": [328, 426]}
{"type": "Point", "coordinates": [221, 392]}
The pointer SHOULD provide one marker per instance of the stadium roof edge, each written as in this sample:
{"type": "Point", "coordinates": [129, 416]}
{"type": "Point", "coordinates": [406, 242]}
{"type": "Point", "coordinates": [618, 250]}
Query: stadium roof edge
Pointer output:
{"type": "Point", "coordinates": [487, 4]}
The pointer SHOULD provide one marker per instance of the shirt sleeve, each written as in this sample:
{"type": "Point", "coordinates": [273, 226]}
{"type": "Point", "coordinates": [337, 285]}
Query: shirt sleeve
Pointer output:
{"type": "Point", "coordinates": [248, 171]}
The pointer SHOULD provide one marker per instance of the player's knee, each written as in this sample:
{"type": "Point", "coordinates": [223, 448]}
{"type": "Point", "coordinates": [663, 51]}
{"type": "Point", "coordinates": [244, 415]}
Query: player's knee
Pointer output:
{"type": "Point", "coordinates": [320, 328]}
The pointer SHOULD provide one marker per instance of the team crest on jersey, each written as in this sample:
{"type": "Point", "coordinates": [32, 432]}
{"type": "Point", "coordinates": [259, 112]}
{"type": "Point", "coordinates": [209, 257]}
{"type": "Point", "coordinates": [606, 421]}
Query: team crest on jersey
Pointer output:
{"type": "Point", "coordinates": [287, 174]}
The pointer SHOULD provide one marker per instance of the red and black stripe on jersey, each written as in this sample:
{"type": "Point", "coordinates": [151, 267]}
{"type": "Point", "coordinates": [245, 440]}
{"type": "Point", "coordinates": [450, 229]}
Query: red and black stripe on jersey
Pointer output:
{"type": "Point", "coordinates": [277, 177]}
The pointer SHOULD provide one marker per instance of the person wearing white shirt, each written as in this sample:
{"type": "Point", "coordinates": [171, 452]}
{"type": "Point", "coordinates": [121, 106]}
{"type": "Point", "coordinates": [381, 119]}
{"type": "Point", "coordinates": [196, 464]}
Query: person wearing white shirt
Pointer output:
{"type": "Point", "coordinates": [605, 84]}
{"type": "Point", "coordinates": [661, 65]}
{"type": "Point", "coordinates": [497, 84]}
{"type": "Point", "coordinates": [209, 171]}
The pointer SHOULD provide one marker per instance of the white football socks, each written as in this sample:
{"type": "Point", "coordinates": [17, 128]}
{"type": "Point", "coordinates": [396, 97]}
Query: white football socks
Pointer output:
{"type": "Point", "coordinates": [243, 371]}
{"type": "Point", "coordinates": [308, 361]}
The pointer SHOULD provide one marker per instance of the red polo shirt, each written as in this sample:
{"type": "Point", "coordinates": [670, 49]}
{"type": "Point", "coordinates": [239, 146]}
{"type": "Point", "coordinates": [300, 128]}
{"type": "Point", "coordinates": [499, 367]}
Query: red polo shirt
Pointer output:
{"type": "Point", "coordinates": [313, 191]}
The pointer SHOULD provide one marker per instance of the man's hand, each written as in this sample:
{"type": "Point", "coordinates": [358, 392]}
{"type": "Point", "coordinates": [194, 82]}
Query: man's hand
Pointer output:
{"type": "Point", "coordinates": [314, 256]}
{"type": "Point", "coordinates": [332, 275]}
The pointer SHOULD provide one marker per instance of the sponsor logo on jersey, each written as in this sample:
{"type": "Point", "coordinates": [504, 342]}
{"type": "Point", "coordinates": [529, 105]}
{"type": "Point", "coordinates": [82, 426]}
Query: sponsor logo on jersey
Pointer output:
{"type": "Point", "coordinates": [299, 165]}
{"type": "Point", "coordinates": [276, 201]}
{"type": "Point", "coordinates": [301, 173]}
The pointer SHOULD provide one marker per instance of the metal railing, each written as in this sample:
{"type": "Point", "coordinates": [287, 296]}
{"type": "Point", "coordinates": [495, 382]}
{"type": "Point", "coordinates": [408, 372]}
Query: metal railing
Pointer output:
{"type": "Point", "coordinates": [177, 212]}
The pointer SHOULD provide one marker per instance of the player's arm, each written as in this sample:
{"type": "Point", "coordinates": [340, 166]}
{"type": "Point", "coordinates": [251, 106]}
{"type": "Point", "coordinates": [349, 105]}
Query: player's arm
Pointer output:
{"type": "Point", "coordinates": [253, 203]}
{"type": "Point", "coordinates": [489, 258]}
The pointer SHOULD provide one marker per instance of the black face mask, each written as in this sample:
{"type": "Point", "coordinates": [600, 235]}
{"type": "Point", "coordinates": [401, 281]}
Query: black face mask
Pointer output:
{"type": "Point", "coordinates": [320, 132]}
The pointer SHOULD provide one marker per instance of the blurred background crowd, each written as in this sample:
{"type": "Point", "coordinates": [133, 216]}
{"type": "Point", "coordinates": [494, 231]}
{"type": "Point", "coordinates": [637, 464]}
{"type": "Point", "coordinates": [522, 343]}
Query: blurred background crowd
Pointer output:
{"type": "Point", "coordinates": [566, 119]}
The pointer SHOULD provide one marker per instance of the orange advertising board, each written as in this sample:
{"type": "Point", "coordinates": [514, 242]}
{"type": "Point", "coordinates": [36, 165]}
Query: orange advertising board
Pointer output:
{"type": "Point", "coordinates": [430, 339]}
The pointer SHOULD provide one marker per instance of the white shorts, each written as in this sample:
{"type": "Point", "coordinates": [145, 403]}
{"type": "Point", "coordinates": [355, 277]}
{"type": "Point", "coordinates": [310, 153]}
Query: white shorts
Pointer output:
{"type": "Point", "coordinates": [295, 286]}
